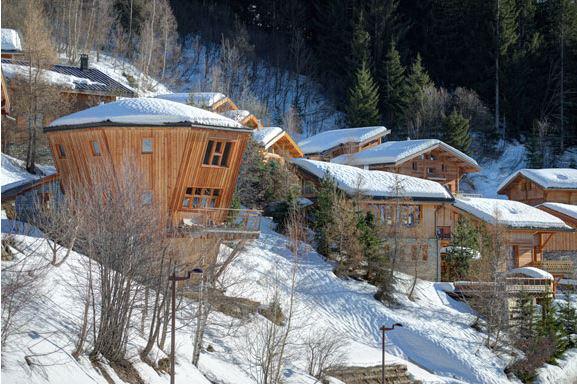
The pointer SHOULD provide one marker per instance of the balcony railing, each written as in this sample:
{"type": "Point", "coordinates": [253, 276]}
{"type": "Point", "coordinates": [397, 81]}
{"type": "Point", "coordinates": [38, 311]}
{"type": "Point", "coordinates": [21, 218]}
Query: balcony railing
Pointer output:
{"type": "Point", "coordinates": [557, 268]}
{"type": "Point", "coordinates": [225, 222]}
{"type": "Point", "coordinates": [511, 286]}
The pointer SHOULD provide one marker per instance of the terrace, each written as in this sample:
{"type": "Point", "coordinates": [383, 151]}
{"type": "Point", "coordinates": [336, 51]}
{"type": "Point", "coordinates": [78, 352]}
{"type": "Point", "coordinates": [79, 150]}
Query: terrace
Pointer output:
{"type": "Point", "coordinates": [224, 223]}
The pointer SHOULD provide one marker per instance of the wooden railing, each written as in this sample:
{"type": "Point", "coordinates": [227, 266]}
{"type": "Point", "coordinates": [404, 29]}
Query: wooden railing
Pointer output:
{"type": "Point", "coordinates": [511, 285]}
{"type": "Point", "coordinates": [557, 268]}
{"type": "Point", "coordinates": [222, 220]}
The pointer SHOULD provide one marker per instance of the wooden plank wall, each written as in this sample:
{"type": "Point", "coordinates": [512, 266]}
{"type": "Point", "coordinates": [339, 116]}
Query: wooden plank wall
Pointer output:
{"type": "Point", "coordinates": [174, 164]}
{"type": "Point", "coordinates": [524, 190]}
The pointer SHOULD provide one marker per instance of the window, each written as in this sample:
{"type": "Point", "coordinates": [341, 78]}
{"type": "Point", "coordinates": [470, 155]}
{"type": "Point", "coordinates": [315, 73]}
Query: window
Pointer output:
{"type": "Point", "coordinates": [95, 148]}
{"type": "Point", "coordinates": [430, 170]}
{"type": "Point", "coordinates": [195, 198]}
{"type": "Point", "coordinates": [217, 153]}
{"type": "Point", "coordinates": [415, 166]}
{"type": "Point", "coordinates": [147, 198]}
{"type": "Point", "coordinates": [147, 145]}
{"type": "Point", "coordinates": [61, 151]}
{"type": "Point", "coordinates": [410, 215]}
{"type": "Point", "coordinates": [443, 167]}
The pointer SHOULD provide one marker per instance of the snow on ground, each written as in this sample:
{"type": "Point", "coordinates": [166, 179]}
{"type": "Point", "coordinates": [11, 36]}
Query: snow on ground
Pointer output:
{"type": "Point", "coordinates": [436, 340]}
{"type": "Point", "coordinates": [373, 183]}
{"type": "Point", "coordinates": [14, 172]}
{"type": "Point", "coordinates": [564, 372]}
{"type": "Point", "coordinates": [494, 171]}
{"type": "Point", "coordinates": [329, 139]}
{"type": "Point", "coordinates": [552, 178]}
{"type": "Point", "coordinates": [145, 111]}
{"type": "Point", "coordinates": [509, 213]}
{"type": "Point", "coordinates": [392, 152]}
{"type": "Point", "coordinates": [10, 40]}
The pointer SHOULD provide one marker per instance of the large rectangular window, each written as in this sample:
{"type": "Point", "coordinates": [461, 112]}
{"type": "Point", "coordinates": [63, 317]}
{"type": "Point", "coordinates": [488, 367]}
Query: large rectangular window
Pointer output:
{"type": "Point", "coordinates": [409, 215]}
{"type": "Point", "coordinates": [217, 153]}
{"type": "Point", "coordinates": [195, 198]}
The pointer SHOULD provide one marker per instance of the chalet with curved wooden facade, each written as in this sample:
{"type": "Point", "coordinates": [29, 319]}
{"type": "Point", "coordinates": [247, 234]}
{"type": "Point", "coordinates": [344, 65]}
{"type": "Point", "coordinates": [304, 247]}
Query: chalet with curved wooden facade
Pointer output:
{"type": "Point", "coordinates": [537, 186]}
{"type": "Point", "coordinates": [330, 144]}
{"type": "Point", "coordinates": [188, 159]}
{"type": "Point", "coordinates": [429, 159]}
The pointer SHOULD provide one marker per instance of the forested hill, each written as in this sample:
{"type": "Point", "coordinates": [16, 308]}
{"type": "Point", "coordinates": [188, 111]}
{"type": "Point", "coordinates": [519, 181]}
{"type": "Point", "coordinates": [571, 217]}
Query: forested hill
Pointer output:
{"type": "Point", "coordinates": [464, 45]}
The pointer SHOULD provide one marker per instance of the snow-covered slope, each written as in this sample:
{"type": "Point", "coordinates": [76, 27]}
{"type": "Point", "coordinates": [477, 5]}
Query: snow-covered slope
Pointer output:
{"type": "Point", "coordinates": [436, 340]}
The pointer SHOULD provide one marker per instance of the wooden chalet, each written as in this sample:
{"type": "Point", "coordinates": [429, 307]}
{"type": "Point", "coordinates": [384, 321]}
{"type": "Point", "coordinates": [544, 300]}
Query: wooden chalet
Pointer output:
{"type": "Point", "coordinates": [561, 251]}
{"type": "Point", "coordinates": [244, 117]}
{"type": "Point", "coordinates": [11, 43]}
{"type": "Point", "coordinates": [188, 160]}
{"type": "Point", "coordinates": [537, 186]}
{"type": "Point", "coordinates": [5, 97]}
{"type": "Point", "coordinates": [277, 143]}
{"type": "Point", "coordinates": [393, 199]}
{"type": "Point", "coordinates": [526, 229]}
{"type": "Point", "coordinates": [330, 144]}
{"type": "Point", "coordinates": [429, 159]}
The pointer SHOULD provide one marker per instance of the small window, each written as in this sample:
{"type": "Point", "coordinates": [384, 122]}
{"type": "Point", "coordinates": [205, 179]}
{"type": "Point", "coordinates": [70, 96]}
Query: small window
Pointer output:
{"type": "Point", "coordinates": [61, 151]}
{"type": "Point", "coordinates": [147, 198]}
{"type": "Point", "coordinates": [147, 145]}
{"type": "Point", "coordinates": [414, 166]}
{"type": "Point", "coordinates": [217, 153]}
{"type": "Point", "coordinates": [443, 168]}
{"type": "Point", "coordinates": [96, 148]}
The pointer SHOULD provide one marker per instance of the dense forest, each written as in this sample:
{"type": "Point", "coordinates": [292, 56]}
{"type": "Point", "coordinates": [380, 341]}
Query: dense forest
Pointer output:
{"type": "Point", "coordinates": [518, 56]}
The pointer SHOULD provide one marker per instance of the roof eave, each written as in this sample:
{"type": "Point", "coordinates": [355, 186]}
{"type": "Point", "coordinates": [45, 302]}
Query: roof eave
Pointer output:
{"type": "Point", "coordinates": [116, 124]}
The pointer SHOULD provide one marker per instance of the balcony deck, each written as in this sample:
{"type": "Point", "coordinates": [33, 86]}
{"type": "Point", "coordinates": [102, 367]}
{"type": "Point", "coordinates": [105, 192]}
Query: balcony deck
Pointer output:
{"type": "Point", "coordinates": [222, 223]}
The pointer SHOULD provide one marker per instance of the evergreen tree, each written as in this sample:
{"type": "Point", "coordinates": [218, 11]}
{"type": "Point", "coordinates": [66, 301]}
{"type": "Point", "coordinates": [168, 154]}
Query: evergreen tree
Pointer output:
{"type": "Point", "coordinates": [464, 246]}
{"type": "Point", "coordinates": [567, 319]}
{"type": "Point", "coordinates": [372, 246]}
{"type": "Point", "coordinates": [457, 131]}
{"type": "Point", "coordinates": [360, 44]}
{"type": "Point", "coordinates": [395, 95]}
{"type": "Point", "coordinates": [548, 327]}
{"type": "Point", "coordinates": [362, 107]}
{"type": "Point", "coordinates": [323, 214]}
{"type": "Point", "coordinates": [418, 78]}
{"type": "Point", "coordinates": [534, 150]}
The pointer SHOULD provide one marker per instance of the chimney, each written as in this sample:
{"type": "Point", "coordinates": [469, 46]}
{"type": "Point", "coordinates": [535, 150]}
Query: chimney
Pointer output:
{"type": "Point", "coordinates": [84, 61]}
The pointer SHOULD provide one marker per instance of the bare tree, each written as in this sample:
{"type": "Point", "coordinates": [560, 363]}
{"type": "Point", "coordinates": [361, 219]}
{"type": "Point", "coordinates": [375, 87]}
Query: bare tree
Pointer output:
{"type": "Point", "coordinates": [324, 350]}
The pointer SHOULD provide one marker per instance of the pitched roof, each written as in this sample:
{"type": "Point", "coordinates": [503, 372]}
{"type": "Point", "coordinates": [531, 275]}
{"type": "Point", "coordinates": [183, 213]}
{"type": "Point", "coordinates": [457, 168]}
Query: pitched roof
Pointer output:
{"type": "Point", "coordinates": [89, 81]}
{"type": "Point", "coordinates": [512, 214]}
{"type": "Point", "coordinates": [266, 136]}
{"type": "Point", "coordinates": [395, 152]}
{"type": "Point", "coordinates": [236, 115]}
{"type": "Point", "coordinates": [373, 183]}
{"type": "Point", "coordinates": [329, 139]}
{"type": "Point", "coordinates": [566, 209]}
{"type": "Point", "coordinates": [10, 41]}
{"type": "Point", "coordinates": [560, 178]}
{"type": "Point", "coordinates": [144, 112]}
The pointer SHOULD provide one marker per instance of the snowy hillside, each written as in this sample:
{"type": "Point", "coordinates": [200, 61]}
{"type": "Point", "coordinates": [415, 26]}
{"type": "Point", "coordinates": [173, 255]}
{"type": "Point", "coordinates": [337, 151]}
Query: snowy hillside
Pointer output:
{"type": "Point", "coordinates": [436, 341]}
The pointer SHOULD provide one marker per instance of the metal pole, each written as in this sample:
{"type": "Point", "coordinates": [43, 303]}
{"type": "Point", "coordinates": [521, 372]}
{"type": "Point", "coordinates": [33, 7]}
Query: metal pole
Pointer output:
{"type": "Point", "coordinates": [383, 364]}
{"type": "Point", "coordinates": [173, 333]}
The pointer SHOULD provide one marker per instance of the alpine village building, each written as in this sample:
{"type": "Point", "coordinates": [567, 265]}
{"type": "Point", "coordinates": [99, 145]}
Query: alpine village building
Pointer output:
{"type": "Point", "coordinates": [188, 160]}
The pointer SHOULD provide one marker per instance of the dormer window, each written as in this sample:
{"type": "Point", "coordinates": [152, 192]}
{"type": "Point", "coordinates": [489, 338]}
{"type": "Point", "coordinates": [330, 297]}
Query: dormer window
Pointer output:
{"type": "Point", "coordinates": [147, 146]}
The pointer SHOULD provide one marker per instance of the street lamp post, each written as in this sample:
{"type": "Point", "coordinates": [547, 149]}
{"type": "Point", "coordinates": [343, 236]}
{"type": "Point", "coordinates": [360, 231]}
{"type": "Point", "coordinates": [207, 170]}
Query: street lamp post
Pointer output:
{"type": "Point", "coordinates": [173, 278]}
{"type": "Point", "coordinates": [383, 330]}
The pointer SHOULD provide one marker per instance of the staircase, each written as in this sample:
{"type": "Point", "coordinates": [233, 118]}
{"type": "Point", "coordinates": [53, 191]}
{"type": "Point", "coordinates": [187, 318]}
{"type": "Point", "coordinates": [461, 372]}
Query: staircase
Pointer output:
{"type": "Point", "coordinates": [394, 374]}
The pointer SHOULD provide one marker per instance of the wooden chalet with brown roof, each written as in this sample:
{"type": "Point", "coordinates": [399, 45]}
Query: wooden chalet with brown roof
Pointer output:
{"type": "Point", "coordinates": [189, 160]}
{"type": "Point", "coordinates": [562, 245]}
{"type": "Point", "coordinates": [536, 186]}
{"type": "Point", "coordinates": [329, 144]}
{"type": "Point", "coordinates": [277, 143]}
{"type": "Point", "coordinates": [430, 159]}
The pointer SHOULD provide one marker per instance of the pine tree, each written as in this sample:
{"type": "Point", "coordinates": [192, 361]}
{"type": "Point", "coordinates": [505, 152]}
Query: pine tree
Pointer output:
{"type": "Point", "coordinates": [457, 131]}
{"type": "Point", "coordinates": [360, 44]}
{"type": "Point", "coordinates": [418, 78]}
{"type": "Point", "coordinates": [372, 246]}
{"type": "Point", "coordinates": [395, 96]}
{"type": "Point", "coordinates": [464, 246]}
{"type": "Point", "coordinates": [567, 319]}
{"type": "Point", "coordinates": [362, 107]}
{"type": "Point", "coordinates": [323, 215]}
{"type": "Point", "coordinates": [534, 150]}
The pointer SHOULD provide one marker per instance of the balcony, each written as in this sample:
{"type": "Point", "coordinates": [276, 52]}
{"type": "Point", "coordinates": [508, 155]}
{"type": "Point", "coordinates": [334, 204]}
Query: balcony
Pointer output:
{"type": "Point", "coordinates": [225, 223]}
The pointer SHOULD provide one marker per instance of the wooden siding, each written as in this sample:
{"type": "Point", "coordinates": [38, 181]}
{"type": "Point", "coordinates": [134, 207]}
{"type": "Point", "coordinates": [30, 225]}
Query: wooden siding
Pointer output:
{"type": "Point", "coordinates": [524, 190]}
{"type": "Point", "coordinates": [565, 241]}
{"type": "Point", "coordinates": [174, 164]}
{"type": "Point", "coordinates": [436, 165]}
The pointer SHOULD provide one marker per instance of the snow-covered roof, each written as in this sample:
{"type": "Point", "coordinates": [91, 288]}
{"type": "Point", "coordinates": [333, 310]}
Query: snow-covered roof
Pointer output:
{"type": "Point", "coordinates": [14, 173]}
{"type": "Point", "coordinates": [533, 272]}
{"type": "Point", "coordinates": [473, 254]}
{"type": "Point", "coordinates": [145, 111]}
{"type": "Point", "coordinates": [374, 183]}
{"type": "Point", "coordinates": [566, 209]}
{"type": "Point", "coordinates": [10, 40]}
{"type": "Point", "coordinates": [236, 115]}
{"type": "Point", "coordinates": [509, 213]}
{"type": "Point", "coordinates": [561, 178]}
{"type": "Point", "coordinates": [266, 135]}
{"type": "Point", "coordinates": [393, 152]}
{"type": "Point", "coordinates": [329, 139]}
{"type": "Point", "coordinates": [198, 99]}
{"type": "Point", "coordinates": [11, 71]}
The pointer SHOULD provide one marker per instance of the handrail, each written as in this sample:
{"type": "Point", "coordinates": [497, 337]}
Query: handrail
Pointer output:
{"type": "Point", "coordinates": [222, 219]}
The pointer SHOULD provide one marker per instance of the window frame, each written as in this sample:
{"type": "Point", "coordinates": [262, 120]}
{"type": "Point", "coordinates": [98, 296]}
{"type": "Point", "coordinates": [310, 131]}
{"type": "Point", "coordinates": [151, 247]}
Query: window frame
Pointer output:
{"type": "Point", "coordinates": [96, 153]}
{"type": "Point", "coordinates": [61, 151]}
{"type": "Point", "coordinates": [218, 149]}
{"type": "Point", "coordinates": [200, 198]}
{"type": "Point", "coordinates": [142, 145]}
{"type": "Point", "coordinates": [147, 198]}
